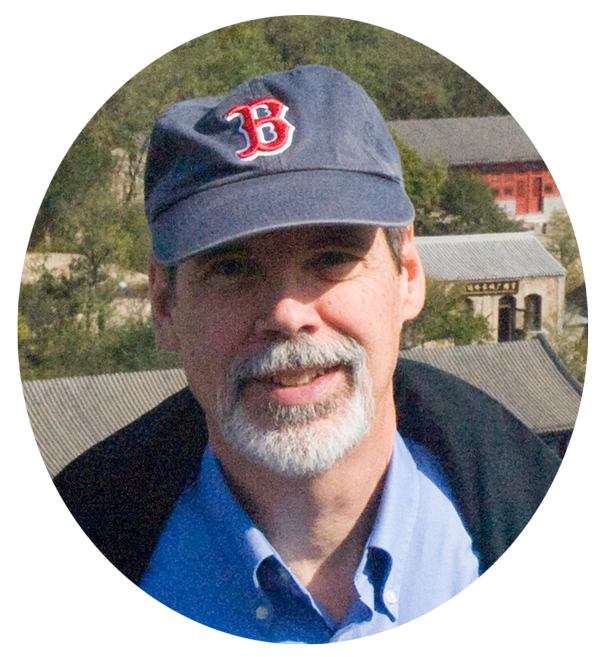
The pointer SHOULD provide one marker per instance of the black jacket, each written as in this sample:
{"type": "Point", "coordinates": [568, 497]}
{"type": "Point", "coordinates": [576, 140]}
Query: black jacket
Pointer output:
{"type": "Point", "coordinates": [122, 490]}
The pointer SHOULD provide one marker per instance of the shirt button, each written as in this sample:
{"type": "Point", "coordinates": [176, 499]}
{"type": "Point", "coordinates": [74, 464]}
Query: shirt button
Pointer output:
{"type": "Point", "coordinates": [262, 612]}
{"type": "Point", "coordinates": [391, 597]}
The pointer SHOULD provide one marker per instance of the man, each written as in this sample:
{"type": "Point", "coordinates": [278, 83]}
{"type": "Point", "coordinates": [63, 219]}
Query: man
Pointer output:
{"type": "Point", "coordinates": [275, 499]}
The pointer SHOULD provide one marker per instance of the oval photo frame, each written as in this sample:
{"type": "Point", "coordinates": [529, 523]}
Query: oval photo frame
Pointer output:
{"type": "Point", "coordinates": [487, 281]}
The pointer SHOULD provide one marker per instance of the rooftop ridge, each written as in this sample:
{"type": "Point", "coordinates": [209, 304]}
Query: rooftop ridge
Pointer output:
{"type": "Point", "coordinates": [460, 119]}
{"type": "Point", "coordinates": [478, 237]}
{"type": "Point", "coordinates": [462, 141]}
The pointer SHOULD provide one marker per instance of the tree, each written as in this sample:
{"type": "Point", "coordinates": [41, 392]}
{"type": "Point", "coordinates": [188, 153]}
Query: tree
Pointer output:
{"type": "Point", "coordinates": [106, 231]}
{"type": "Point", "coordinates": [423, 181]}
{"type": "Point", "coordinates": [470, 206]}
{"type": "Point", "coordinates": [405, 78]}
{"type": "Point", "coordinates": [88, 163]}
{"type": "Point", "coordinates": [562, 243]}
{"type": "Point", "coordinates": [571, 347]}
{"type": "Point", "coordinates": [446, 315]}
{"type": "Point", "coordinates": [65, 327]}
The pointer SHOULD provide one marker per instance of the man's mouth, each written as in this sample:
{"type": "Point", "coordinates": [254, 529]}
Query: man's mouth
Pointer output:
{"type": "Point", "coordinates": [297, 378]}
{"type": "Point", "coordinates": [294, 386]}
{"type": "Point", "coordinates": [298, 386]}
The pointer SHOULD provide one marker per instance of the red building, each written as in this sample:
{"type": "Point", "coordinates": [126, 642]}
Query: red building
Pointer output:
{"type": "Point", "coordinates": [522, 188]}
{"type": "Point", "coordinates": [498, 149]}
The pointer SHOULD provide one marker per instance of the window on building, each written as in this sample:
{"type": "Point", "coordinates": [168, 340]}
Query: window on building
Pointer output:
{"type": "Point", "coordinates": [533, 312]}
{"type": "Point", "coordinates": [507, 311]}
{"type": "Point", "coordinates": [508, 191]}
{"type": "Point", "coordinates": [548, 189]}
{"type": "Point", "coordinates": [495, 191]}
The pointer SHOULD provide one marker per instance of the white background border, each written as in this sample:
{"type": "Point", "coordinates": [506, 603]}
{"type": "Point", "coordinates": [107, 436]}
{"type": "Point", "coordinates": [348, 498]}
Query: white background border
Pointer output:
{"type": "Point", "coordinates": [61, 61]}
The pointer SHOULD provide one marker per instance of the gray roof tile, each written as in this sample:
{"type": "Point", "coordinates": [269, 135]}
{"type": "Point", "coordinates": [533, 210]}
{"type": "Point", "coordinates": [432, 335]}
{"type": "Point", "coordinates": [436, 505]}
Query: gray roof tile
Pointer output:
{"type": "Point", "coordinates": [524, 376]}
{"type": "Point", "coordinates": [69, 415]}
{"type": "Point", "coordinates": [491, 256]}
{"type": "Point", "coordinates": [463, 141]}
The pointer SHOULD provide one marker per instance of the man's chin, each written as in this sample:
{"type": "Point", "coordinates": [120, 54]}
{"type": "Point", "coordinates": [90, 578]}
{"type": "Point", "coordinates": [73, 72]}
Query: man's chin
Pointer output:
{"type": "Point", "coordinates": [279, 417]}
{"type": "Point", "coordinates": [297, 441]}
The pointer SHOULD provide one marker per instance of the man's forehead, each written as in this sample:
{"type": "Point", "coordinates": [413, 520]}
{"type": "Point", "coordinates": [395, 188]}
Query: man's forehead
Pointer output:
{"type": "Point", "coordinates": [320, 236]}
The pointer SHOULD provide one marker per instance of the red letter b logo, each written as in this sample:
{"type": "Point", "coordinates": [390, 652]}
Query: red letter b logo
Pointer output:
{"type": "Point", "coordinates": [264, 126]}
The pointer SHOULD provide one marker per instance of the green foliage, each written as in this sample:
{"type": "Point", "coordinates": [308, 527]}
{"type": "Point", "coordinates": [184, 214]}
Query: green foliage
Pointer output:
{"type": "Point", "coordinates": [423, 181]}
{"type": "Point", "coordinates": [574, 356]}
{"type": "Point", "coordinates": [561, 238]}
{"type": "Point", "coordinates": [405, 78]}
{"type": "Point", "coordinates": [23, 332]}
{"type": "Point", "coordinates": [74, 350]}
{"type": "Point", "coordinates": [470, 203]}
{"type": "Point", "coordinates": [55, 300]}
{"type": "Point", "coordinates": [571, 347]}
{"type": "Point", "coordinates": [105, 230]}
{"type": "Point", "coordinates": [445, 316]}
{"type": "Point", "coordinates": [67, 327]}
{"type": "Point", "coordinates": [88, 162]}
{"type": "Point", "coordinates": [562, 243]}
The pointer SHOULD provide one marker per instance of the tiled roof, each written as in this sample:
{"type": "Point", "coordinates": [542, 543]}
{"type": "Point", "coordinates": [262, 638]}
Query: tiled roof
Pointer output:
{"type": "Point", "coordinates": [462, 141]}
{"type": "Point", "coordinates": [492, 256]}
{"type": "Point", "coordinates": [525, 376]}
{"type": "Point", "coordinates": [70, 415]}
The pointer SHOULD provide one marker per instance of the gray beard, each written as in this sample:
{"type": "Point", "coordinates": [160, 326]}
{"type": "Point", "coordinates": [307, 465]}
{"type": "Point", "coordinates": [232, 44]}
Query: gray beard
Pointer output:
{"type": "Point", "coordinates": [296, 446]}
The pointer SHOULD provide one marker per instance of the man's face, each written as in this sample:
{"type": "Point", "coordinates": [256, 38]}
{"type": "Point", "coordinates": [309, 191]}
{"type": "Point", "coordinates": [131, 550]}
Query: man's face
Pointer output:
{"type": "Point", "coordinates": [294, 331]}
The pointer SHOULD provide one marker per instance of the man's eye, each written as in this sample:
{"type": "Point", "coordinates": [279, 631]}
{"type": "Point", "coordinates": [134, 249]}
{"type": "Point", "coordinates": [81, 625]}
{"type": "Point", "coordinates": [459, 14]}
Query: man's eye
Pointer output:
{"type": "Point", "coordinates": [229, 269]}
{"type": "Point", "coordinates": [336, 263]}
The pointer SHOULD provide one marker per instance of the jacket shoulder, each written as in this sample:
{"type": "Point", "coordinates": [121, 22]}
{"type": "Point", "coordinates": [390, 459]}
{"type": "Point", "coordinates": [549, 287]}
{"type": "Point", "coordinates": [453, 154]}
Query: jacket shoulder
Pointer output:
{"type": "Point", "coordinates": [121, 491]}
{"type": "Point", "coordinates": [498, 470]}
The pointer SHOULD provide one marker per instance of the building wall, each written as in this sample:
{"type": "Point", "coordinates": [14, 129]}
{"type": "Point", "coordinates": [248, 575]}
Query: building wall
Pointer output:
{"type": "Point", "coordinates": [509, 205]}
{"type": "Point", "coordinates": [526, 190]}
{"type": "Point", "coordinates": [550, 288]}
{"type": "Point", "coordinates": [553, 203]}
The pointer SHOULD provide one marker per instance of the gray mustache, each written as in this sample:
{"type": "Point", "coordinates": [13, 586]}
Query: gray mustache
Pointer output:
{"type": "Point", "coordinates": [304, 352]}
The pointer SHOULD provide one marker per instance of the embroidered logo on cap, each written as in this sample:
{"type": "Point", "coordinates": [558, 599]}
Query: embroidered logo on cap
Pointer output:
{"type": "Point", "coordinates": [264, 126]}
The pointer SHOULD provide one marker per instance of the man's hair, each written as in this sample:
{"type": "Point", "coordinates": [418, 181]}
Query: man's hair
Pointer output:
{"type": "Point", "coordinates": [394, 235]}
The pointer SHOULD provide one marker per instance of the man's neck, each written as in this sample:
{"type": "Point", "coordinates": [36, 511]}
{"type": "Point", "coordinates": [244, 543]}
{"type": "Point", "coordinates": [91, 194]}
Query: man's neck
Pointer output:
{"type": "Point", "coordinates": [319, 525]}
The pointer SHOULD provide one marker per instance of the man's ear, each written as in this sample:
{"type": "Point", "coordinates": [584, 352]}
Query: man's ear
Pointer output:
{"type": "Point", "coordinates": [414, 295]}
{"type": "Point", "coordinates": [163, 299]}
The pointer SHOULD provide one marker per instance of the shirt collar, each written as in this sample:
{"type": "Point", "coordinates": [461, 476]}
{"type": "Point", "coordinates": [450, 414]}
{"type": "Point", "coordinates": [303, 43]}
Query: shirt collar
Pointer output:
{"type": "Point", "coordinates": [222, 508]}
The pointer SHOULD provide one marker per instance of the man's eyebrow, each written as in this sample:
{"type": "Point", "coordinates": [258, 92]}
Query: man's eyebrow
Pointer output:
{"type": "Point", "coordinates": [220, 251]}
{"type": "Point", "coordinates": [342, 236]}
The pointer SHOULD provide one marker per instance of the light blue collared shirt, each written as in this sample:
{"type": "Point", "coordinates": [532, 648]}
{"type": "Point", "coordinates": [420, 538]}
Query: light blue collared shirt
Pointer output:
{"type": "Point", "coordinates": [214, 566]}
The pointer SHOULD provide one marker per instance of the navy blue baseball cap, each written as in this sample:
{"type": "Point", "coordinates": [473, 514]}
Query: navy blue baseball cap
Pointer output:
{"type": "Point", "coordinates": [302, 147]}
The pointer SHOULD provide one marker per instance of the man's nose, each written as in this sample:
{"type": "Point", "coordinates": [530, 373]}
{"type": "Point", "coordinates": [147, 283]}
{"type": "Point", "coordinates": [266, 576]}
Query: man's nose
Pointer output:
{"type": "Point", "coordinates": [287, 310]}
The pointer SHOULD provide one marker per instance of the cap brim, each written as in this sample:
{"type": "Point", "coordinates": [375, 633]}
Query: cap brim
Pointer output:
{"type": "Point", "coordinates": [261, 204]}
